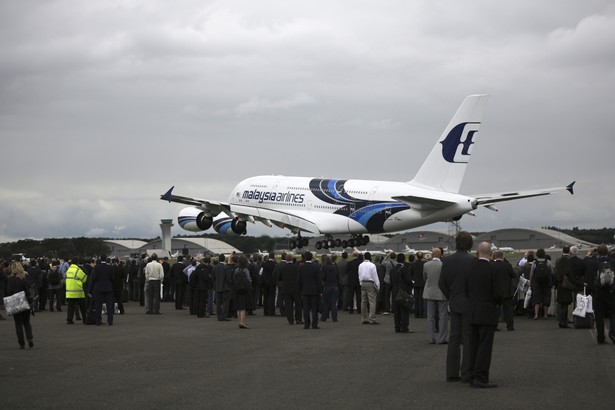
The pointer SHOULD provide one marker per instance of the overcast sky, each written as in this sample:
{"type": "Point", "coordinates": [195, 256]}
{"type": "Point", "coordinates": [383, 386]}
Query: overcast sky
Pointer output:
{"type": "Point", "coordinates": [106, 104]}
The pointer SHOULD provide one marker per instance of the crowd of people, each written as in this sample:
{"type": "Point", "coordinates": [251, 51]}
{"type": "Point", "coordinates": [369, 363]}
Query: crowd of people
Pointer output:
{"type": "Point", "coordinates": [462, 296]}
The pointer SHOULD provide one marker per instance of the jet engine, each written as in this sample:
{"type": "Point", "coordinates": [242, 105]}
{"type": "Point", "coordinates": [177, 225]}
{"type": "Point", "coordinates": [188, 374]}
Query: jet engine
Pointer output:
{"type": "Point", "coordinates": [194, 219]}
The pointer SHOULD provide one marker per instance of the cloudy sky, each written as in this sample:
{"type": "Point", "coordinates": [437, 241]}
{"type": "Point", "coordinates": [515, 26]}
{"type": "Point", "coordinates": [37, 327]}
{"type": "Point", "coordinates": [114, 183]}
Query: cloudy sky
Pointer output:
{"type": "Point", "coordinates": [106, 104]}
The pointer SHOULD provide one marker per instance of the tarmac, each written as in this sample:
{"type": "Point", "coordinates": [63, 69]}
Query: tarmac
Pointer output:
{"type": "Point", "coordinates": [178, 361]}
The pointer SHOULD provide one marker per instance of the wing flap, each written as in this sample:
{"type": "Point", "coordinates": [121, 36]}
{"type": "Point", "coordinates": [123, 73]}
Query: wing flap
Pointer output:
{"type": "Point", "coordinates": [279, 218]}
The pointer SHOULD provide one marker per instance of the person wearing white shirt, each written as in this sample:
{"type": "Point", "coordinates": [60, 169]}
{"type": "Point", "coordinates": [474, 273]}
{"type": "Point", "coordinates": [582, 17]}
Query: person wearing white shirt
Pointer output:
{"type": "Point", "coordinates": [370, 284]}
{"type": "Point", "coordinates": [154, 274]}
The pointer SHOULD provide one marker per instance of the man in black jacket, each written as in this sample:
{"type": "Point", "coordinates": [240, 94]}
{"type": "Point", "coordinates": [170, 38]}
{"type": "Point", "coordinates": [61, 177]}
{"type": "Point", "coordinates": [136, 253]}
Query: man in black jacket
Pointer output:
{"type": "Point", "coordinates": [203, 282]}
{"type": "Point", "coordinates": [352, 274]}
{"type": "Point", "coordinates": [604, 294]}
{"type": "Point", "coordinates": [416, 270]}
{"type": "Point", "coordinates": [223, 278]}
{"type": "Point", "coordinates": [181, 280]}
{"type": "Point", "coordinates": [452, 283]}
{"type": "Point", "coordinates": [101, 287]}
{"type": "Point", "coordinates": [310, 288]}
{"type": "Point", "coordinates": [401, 279]}
{"type": "Point", "coordinates": [268, 285]}
{"type": "Point", "coordinates": [482, 315]}
{"type": "Point", "coordinates": [505, 275]}
{"type": "Point", "coordinates": [288, 276]}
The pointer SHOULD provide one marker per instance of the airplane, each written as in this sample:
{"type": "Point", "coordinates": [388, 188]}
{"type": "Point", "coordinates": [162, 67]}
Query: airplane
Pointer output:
{"type": "Point", "coordinates": [502, 248]}
{"type": "Point", "coordinates": [263, 254]}
{"type": "Point", "coordinates": [373, 253]}
{"type": "Point", "coordinates": [426, 252]}
{"type": "Point", "coordinates": [357, 207]}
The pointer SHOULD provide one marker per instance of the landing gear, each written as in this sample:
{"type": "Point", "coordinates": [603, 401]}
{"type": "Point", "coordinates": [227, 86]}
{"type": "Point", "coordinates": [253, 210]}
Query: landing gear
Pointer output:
{"type": "Point", "coordinates": [329, 242]}
{"type": "Point", "coordinates": [299, 242]}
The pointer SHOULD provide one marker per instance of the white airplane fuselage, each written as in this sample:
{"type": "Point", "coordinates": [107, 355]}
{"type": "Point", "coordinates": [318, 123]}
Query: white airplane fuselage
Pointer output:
{"type": "Point", "coordinates": [356, 207]}
{"type": "Point", "coordinates": [342, 206]}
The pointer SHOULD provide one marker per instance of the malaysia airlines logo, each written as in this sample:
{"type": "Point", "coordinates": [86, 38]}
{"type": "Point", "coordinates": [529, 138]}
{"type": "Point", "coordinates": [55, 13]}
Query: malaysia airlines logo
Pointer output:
{"type": "Point", "coordinates": [456, 147]}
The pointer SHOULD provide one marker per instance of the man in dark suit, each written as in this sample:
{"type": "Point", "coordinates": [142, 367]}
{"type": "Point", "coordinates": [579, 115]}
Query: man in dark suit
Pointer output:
{"type": "Point", "coordinates": [401, 278]}
{"type": "Point", "coordinates": [352, 273]}
{"type": "Point", "coordinates": [505, 276]}
{"type": "Point", "coordinates": [223, 278]}
{"type": "Point", "coordinates": [101, 286]}
{"type": "Point", "coordinates": [418, 285]}
{"type": "Point", "coordinates": [269, 285]}
{"type": "Point", "coordinates": [482, 315]}
{"type": "Point", "coordinates": [180, 281]}
{"type": "Point", "coordinates": [452, 283]}
{"type": "Point", "coordinates": [288, 276]}
{"type": "Point", "coordinates": [310, 288]}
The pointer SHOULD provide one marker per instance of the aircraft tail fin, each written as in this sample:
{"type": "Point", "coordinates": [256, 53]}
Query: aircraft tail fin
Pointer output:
{"type": "Point", "coordinates": [444, 168]}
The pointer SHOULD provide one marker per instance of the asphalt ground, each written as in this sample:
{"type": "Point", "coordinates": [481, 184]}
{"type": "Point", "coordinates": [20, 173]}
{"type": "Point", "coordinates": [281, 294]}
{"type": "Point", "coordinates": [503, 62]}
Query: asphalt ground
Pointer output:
{"type": "Point", "coordinates": [177, 361]}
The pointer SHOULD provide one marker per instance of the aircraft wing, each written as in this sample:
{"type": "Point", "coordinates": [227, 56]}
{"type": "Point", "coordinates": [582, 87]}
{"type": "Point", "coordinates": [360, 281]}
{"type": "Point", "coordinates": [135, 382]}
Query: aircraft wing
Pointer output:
{"type": "Point", "coordinates": [252, 214]}
{"type": "Point", "coordinates": [488, 199]}
{"type": "Point", "coordinates": [212, 207]}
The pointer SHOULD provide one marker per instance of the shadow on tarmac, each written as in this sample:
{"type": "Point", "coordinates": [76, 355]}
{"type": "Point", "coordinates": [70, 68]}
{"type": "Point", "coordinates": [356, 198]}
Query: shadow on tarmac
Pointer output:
{"type": "Point", "coordinates": [175, 360]}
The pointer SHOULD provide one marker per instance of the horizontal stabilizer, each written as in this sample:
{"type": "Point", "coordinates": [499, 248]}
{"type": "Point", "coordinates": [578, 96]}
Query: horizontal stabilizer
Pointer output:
{"type": "Point", "coordinates": [486, 199]}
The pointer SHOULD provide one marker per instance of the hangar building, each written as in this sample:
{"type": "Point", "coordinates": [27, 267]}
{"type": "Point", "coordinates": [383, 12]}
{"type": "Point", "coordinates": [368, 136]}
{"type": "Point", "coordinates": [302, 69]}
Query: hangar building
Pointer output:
{"type": "Point", "coordinates": [124, 248]}
{"type": "Point", "coordinates": [531, 238]}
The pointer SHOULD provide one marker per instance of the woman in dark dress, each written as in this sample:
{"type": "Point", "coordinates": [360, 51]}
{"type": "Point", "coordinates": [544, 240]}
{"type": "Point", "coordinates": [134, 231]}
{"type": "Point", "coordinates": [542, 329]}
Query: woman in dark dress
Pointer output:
{"type": "Point", "coordinates": [330, 290]}
{"type": "Point", "coordinates": [242, 290]}
{"type": "Point", "coordinates": [17, 282]}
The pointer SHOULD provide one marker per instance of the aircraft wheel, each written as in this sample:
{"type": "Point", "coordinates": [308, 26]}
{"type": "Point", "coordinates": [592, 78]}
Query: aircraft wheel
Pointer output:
{"type": "Point", "coordinates": [318, 245]}
{"type": "Point", "coordinates": [365, 240]}
{"type": "Point", "coordinates": [305, 242]}
{"type": "Point", "coordinates": [330, 244]}
{"type": "Point", "coordinates": [338, 243]}
{"type": "Point", "coordinates": [293, 244]}
{"type": "Point", "coordinates": [344, 244]}
{"type": "Point", "coordinates": [325, 244]}
{"type": "Point", "coordinates": [351, 243]}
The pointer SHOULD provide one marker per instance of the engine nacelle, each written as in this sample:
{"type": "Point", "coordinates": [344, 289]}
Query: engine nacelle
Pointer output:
{"type": "Point", "coordinates": [238, 226]}
{"type": "Point", "coordinates": [194, 219]}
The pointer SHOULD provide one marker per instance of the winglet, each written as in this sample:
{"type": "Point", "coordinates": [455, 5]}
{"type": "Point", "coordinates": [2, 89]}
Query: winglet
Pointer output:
{"type": "Point", "coordinates": [569, 187]}
{"type": "Point", "coordinates": [167, 196]}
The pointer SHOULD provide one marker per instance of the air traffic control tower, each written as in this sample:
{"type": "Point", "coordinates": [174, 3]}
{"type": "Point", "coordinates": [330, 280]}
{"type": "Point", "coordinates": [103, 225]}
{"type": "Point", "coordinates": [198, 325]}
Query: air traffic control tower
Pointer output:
{"type": "Point", "coordinates": [165, 227]}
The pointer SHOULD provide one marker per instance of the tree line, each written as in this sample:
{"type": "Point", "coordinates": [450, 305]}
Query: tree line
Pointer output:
{"type": "Point", "coordinates": [90, 247]}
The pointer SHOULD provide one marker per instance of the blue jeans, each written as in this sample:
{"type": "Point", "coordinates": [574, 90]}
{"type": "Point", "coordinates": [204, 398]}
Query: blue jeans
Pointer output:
{"type": "Point", "coordinates": [210, 301]}
{"type": "Point", "coordinates": [329, 295]}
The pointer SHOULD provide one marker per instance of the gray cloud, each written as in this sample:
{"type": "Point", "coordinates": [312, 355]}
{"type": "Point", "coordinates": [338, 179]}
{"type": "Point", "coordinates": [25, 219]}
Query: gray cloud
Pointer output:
{"type": "Point", "coordinates": [104, 105]}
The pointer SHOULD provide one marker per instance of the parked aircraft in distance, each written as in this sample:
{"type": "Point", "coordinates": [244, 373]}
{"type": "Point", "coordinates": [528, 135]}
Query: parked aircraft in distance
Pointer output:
{"type": "Point", "coordinates": [373, 253]}
{"type": "Point", "coordinates": [412, 251]}
{"type": "Point", "coordinates": [502, 248]}
{"type": "Point", "coordinates": [357, 207]}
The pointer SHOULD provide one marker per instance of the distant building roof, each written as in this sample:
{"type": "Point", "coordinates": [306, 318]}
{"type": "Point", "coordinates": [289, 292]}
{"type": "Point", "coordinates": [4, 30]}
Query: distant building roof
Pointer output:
{"type": "Point", "coordinates": [127, 243]}
{"type": "Point", "coordinates": [212, 245]}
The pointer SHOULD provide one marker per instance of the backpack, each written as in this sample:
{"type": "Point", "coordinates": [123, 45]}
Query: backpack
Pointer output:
{"type": "Point", "coordinates": [541, 272]}
{"type": "Point", "coordinates": [605, 276]}
{"type": "Point", "coordinates": [54, 277]}
{"type": "Point", "coordinates": [240, 282]}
